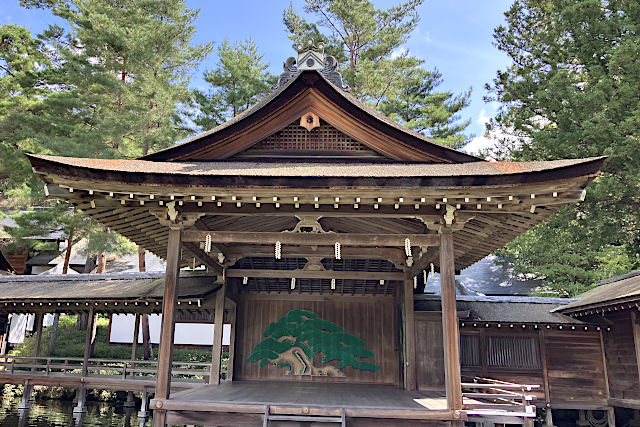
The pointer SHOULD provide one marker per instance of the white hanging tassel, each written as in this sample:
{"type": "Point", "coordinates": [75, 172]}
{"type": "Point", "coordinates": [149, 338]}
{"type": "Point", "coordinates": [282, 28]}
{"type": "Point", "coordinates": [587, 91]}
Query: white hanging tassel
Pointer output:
{"type": "Point", "coordinates": [278, 250]}
{"type": "Point", "coordinates": [425, 276]}
{"type": "Point", "coordinates": [407, 247]}
{"type": "Point", "coordinates": [338, 251]}
{"type": "Point", "coordinates": [207, 243]}
{"type": "Point", "coordinates": [381, 282]}
{"type": "Point", "coordinates": [245, 280]}
{"type": "Point", "coordinates": [415, 282]}
{"type": "Point", "coordinates": [333, 284]}
{"type": "Point", "coordinates": [293, 283]}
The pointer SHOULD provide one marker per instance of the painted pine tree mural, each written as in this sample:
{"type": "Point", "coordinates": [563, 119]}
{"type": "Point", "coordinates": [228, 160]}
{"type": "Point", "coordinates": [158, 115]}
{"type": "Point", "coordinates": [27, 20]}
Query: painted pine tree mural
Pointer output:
{"type": "Point", "coordinates": [294, 340]}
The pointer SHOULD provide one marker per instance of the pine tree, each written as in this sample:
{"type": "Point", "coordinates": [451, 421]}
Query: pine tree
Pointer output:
{"type": "Point", "coordinates": [369, 44]}
{"type": "Point", "coordinates": [572, 91]}
{"type": "Point", "coordinates": [294, 340]}
{"type": "Point", "coordinates": [239, 81]}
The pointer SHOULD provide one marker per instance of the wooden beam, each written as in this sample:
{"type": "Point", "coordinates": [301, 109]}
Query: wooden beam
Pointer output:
{"type": "Point", "coordinates": [310, 274]}
{"type": "Point", "coordinates": [169, 305]}
{"type": "Point", "coordinates": [411, 380]}
{"type": "Point", "coordinates": [204, 257]}
{"type": "Point", "coordinates": [311, 239]}
{"type": "Point", "coordinates": [216, 351]}
{"type": "Point", "coordinates": [450, 332]}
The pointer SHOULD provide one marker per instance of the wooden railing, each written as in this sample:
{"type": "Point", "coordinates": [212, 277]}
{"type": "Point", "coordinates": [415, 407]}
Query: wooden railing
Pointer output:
{"type": "Point", "coordinates": [485, 395]}
{"type": "Point", "coordinates": [126, 369]}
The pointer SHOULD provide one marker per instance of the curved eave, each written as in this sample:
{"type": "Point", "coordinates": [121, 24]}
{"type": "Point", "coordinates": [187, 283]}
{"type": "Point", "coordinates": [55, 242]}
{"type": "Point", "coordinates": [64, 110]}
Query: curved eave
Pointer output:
{"type": "Point", "coordinates": [404, 143]}
{"type": "Point", "coordinates": [82, 170]}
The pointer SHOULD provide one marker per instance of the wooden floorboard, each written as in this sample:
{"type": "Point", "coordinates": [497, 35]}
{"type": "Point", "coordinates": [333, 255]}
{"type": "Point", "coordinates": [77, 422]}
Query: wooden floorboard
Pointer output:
{"type": "Point", "coordinates": [312, 394]}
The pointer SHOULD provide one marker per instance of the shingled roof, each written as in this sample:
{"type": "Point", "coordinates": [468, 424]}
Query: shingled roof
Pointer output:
{"type": "Point", "coordinates": [621, 291]}
{"type": "Point", "coordinates": [65, 292]}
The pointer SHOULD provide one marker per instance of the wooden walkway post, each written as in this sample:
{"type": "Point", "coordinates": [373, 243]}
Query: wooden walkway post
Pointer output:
{"type": "Point", "coordinates": [410, 336]}
{"type": "Point", "coordinates": [216, 351]}
{"type": "Point", "coordinates": [233, 317]}
{"type": "Point", "coordinates": [450, 333]}
{"type": "Point", "coordinates": [169, 305]}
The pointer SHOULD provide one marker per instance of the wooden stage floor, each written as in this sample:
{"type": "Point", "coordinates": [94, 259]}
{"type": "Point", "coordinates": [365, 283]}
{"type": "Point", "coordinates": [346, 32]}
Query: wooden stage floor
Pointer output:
{"type": "Point", "coordinates": [305, 398]}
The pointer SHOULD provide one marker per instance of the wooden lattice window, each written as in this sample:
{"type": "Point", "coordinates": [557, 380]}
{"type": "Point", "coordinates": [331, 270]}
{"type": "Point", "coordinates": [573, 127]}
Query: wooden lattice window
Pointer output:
{"type": "Point", "coordinates": [513, 352]}
{"type": "Point", "coordinates": [295, 140]}
{"type": "Point", "coordinates": [469, 351]}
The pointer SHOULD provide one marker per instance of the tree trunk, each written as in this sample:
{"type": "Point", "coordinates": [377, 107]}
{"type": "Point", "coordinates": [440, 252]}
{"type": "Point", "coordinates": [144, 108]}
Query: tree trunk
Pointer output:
{"type": "Point", "coordinates": [67, 255]}
{"type": "Point", "coordinates": [146, 341]}
{"type": "Point", "coordinates": [102, 263]}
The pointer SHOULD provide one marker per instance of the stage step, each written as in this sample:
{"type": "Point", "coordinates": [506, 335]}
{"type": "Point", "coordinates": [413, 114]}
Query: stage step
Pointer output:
{"type": "Point", "coordinates": [304, 418]}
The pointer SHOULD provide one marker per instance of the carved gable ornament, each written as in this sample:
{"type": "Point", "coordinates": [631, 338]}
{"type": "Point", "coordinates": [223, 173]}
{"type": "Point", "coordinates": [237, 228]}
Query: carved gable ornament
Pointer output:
{"type": "Point", "coordinates": [305, 344]}
{"type": "Point", "coordinates": [312, 57]}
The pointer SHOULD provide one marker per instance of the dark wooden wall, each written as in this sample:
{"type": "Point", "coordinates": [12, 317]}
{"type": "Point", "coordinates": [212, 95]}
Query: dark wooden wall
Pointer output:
{"type": "Point", "coordinates": [569, 362]}
{"type": "Point", "coordinates": [368, 318]}
{"type": "Point", "coordinates": [622, 364]}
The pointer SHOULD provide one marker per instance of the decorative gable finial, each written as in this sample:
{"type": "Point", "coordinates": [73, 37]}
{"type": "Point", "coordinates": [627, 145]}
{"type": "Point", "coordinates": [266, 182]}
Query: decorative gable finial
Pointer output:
{"type": "Point", "coordinates": [312, 57]}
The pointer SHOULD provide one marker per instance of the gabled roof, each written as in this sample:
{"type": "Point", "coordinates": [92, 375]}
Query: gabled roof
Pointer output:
{"type": "Point", "coordinates": [621, 291]}
{"type": "Point", "coordinates": [308, 91]}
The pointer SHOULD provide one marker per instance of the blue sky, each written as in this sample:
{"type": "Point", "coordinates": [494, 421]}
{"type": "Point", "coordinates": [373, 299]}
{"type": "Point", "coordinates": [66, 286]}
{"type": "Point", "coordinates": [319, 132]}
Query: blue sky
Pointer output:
{"type": "Point", "coordinates": [453, 36]}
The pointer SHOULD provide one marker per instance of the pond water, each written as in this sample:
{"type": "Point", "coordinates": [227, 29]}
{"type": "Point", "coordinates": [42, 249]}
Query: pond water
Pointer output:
{"type": "Point", "coordinates": [59, 413]}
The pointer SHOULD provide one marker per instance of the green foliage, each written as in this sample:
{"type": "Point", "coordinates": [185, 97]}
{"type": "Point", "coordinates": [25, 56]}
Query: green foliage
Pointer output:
{"type": "Point", "coordinates": [70, 343]}
{"type": "Point", "coordinates": [239, 81]}
{"type": "Point", "coordinates": [572, 91]}
{"type": "Point", "coordinates": [368, 43]}
{"type": "Point", "coordinates": [306, 330]}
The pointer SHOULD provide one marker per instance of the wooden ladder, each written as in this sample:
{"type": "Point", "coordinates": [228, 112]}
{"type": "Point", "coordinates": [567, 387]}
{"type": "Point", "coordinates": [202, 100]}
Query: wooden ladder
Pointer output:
{"type": "Point", "coordinates": [342, 420]}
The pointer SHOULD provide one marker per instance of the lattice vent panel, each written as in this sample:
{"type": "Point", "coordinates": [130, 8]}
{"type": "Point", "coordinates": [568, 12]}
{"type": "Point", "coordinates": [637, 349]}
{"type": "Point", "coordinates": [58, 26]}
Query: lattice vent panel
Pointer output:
{"type": "Point", "coordinates": [295, 140]}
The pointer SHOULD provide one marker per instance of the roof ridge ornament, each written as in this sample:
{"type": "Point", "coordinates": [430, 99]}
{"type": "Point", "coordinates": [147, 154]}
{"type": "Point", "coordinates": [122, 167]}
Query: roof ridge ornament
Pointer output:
{"type": "Point", "coordinates": [311, 57]}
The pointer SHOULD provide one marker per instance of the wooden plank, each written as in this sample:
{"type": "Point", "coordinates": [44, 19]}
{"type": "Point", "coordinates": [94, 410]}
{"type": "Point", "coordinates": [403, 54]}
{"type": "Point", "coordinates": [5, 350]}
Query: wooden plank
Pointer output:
{"type": "Point", "coordinates": [39, 318]}
{"type": "Point", "coordinates": [216, 351]}
{"type": "Point", "coordinates": [411, 381]}
{"type": "Point", "coordinates": [310, 274]}
{"type": "Point", "coordinates": [450, 331]}
{"type": "Point", "coordinates": [169, 305]}
{"type": "Point", "coordinates": [311, 239]}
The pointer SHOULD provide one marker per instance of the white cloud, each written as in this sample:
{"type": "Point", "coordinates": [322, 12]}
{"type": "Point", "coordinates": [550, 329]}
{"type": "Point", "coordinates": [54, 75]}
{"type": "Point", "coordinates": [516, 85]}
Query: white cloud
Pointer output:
{"type": "Point", "coordinates": [398, 53]}
{"type": "Point", "coordinates": [493, 138]}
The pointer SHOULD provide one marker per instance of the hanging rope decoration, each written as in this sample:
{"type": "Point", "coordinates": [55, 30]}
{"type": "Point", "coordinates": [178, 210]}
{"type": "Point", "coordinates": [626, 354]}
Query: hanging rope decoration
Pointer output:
{"type": "Point", "coordinates": [433, 269]}
{"type": "Point", "coordinates": [407, 247]}
{"type": "Point", "coordinates": [338, 251]}
{"type": "Point", "coordinates": [415, 282]}
{"type": "Point", "coordinates": [333, 284]}
{"type": "Point", "coordinates": [425, 276]}
{"type": "Point", "coordinates": [207, 243]}
{"type": "Point", "coordinates": [245, 280]}
{"type": "Point", "coordinates": [293, 283]}
{"type": "Point", "coordinates": [278, 250]}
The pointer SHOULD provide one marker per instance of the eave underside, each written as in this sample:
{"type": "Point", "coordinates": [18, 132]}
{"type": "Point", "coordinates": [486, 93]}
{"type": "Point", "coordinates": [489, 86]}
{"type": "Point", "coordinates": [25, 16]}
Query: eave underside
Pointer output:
{"type": "Point", "coordinates": [372, 223]}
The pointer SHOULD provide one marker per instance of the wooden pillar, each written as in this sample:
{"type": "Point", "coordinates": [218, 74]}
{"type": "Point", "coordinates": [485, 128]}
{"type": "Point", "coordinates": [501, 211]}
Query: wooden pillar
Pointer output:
{"type": "Point", "coordinates": [169, 305]}
{"type": "Point", "coordinates": [450, 332]}
{"type": "Point", "coordinates": [411, 381]}
{"type": "Point", "coordinates": [38, 332]}
{"type": "Point", "coordinates": [136, 332]}
{"type": "Point", "coordinates": [233, 317]}
{"type": "Point", "coordinates": [216, 351]}
{"type": "Point", "coordinates": [54, 334]}
{"type": "Point", "coordinates": [90, 337]}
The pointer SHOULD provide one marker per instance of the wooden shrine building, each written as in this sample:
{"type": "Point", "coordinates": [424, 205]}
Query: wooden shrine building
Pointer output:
{"type": "Point", "coordinates": [320, 217]}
